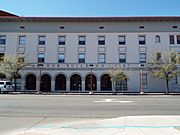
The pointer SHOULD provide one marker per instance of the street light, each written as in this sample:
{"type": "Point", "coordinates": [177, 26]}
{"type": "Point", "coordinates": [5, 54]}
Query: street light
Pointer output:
{"type": "Point", "coordinates": [40, 66]}
{"type": "Point", "coordinates": [91, 83]}
{"type": "Point", "coordinates": [141, 78]}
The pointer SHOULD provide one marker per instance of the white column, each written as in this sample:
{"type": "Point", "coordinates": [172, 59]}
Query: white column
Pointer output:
{"type": "Point", "coordinates": [83, 86]}
{"type": "Point", "coordinates": [53, 86]}
{"type": "Point", "coordinates": [98, 86]}
{"type": "Point", "coordinates": [67, 86]}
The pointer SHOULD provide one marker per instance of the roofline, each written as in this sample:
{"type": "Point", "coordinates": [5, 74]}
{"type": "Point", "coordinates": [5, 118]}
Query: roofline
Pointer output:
{"type": "Point", "coordinates": [91, 19]}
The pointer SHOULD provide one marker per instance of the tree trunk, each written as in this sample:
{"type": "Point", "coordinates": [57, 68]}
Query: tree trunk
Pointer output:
{"type": "Point", "coordinates": [15, 84]}
{"type": "Point", "coordinates": [114, 85]}
{"type": "Point", "coordinates": [167, 86]}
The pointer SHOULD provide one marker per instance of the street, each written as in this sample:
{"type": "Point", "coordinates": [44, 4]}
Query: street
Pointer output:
{"type": "Point", "coordinates": [19, 112]}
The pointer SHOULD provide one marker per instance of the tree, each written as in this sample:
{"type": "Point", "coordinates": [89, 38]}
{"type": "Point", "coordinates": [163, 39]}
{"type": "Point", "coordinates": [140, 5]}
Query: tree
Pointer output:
{"type": "Point", "coordinates": [117, 74]}
{"type": "Point", "coordinates": [164, 67]}
{"type": "Point", "coordinates": [10, 67]}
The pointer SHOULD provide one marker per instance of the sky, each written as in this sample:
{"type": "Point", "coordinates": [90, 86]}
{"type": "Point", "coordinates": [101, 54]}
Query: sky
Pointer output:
{"type": "Point", "coordinates": [92, 7]}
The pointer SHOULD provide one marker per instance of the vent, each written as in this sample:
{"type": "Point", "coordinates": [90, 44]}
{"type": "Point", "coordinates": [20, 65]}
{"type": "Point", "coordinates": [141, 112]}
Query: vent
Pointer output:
{"type": "Point", "coordinates": [62, 27]}
{"type": "Point", "coordinates": [22, 27]}
{"type": "Point", "coordinates": [174, 27]}
{"type": "Point", "coordinates": [141, 27]}
{"type": "Point", "coordinates": [101, 27]}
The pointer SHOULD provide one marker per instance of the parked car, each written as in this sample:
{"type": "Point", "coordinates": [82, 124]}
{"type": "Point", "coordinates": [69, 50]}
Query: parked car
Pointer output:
{"type": "Point", "coordinates": [6, 86]}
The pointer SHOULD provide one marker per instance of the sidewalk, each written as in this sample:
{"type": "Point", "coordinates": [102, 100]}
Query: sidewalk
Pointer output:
{"type": "Point", "coordinates": [131, 125]}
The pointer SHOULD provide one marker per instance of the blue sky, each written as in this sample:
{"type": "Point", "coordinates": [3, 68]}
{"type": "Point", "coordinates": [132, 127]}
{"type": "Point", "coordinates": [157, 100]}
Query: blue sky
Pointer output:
{"type": "Point", "coordinates": [92, 7]}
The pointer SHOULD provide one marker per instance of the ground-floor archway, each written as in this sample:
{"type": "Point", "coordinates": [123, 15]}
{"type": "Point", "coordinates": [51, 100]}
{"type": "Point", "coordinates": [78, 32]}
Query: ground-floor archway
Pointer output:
{"type": "Point", "coordinates": [60, 82]}
{"type": "Point", "coordinates": [90, 81]}
{"type": "Point", "coordinates": [30, 83]}
{"type": "Point", "coordinates": [106, 84]}
{"type": "Point", "coordinates": [75, 82]}
{"type": "Point", "coordinates": [45, 83]}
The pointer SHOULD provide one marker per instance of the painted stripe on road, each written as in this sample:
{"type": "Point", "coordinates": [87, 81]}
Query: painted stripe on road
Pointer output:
{"type": "Point", "coordinates": [103, 127]}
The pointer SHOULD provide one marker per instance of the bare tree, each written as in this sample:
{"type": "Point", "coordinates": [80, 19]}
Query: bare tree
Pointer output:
{"type": "Point", "coordinates": [117, 74]}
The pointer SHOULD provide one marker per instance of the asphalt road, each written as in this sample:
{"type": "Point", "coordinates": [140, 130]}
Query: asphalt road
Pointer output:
{"type": "Point", "coordinates": [22, 111]}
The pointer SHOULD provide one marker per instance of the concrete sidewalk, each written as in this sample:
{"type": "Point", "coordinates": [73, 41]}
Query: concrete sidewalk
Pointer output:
{"type": "Point", "coordinates": [131, 125]}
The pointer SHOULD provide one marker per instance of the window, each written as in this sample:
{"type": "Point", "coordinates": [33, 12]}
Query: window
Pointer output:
{"type": "Point", "coordinates": [41, 57]}
{"type": "Point", "coordinates": [81, 57]}
{"type": "Point", "coordinates": [101, 40]}
{"type": "Point", "coordinates": [61, 27]}
{"type": "Point", "coordinates": [2, 39]}
{"type": "Point", "coordinates": [62, 40]}
{"type": "Point", "coordinates": [142, 40]}
{"type": "Point", "coordinates": [1, 56]}
{"type": "Point", "coordinates": [101, 58]}
{"type": "Point", "coordinates": [82, 40]}
{"type": "Point", "coordinates": [157, 39]}
{"type": "Point", "coordinates": [174, 27]}
{"type": "Point", "coordinates": [141, 27]}
{"type": "Point", "coordinates": [101, 27]}
{"type": "Point", "coordinates": [178, 39]}
{"type": "Point", "coordinates": [42, 40]}
{"type": "Point", "coordinates": [122, 58]}
{"type": "Point", "coordinates": [22, 40]}
{"type": "Point", "coordinates": [142, 58]}
{"type": "Point", "coordinates": [22, 27]}
{"type": "Point", "coordinates": [171, 39]}
{"type": "Point", "coordinates": [122, 40]}
{"type": "Point", "coordinates": [61, 58]}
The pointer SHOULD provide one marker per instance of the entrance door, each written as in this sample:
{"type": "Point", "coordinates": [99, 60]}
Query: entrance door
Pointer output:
{"type": "Point", "coordinates": [45, 83]}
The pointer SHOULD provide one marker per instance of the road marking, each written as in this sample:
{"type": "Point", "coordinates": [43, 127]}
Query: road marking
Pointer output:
{"type": "Point", "coordinates": [111, 101]}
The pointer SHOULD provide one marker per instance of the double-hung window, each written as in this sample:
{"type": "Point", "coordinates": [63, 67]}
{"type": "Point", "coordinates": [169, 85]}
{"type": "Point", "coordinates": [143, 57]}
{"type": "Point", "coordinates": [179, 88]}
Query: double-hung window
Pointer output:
{"type": "Point", "coordinates": [42, 40]}
{"type": "Point", "coordinates": [2, 39]}
{"type": "Point", "coordinates": [82, 40]}
{"type": "Point", "coordinates": [62, 40]}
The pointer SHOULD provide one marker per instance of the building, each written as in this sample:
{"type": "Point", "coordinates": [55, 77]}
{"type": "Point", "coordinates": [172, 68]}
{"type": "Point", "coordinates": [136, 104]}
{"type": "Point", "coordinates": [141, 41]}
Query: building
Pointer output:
{"type": "Point", "coordinates": [73, 54]}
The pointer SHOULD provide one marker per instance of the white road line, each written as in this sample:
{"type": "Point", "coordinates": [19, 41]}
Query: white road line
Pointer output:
{"type": "Point", "coordinates": [111, 101]}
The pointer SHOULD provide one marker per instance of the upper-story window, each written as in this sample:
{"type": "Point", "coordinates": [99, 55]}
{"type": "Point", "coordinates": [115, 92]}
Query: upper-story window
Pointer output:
{"type": "Point", "coordinates": [142, 40]}
{"type": "Point", "coordinates": [157, 39]}
{"type": "Point", "coordinates": [101, 40]}
{"type": "Point", "coordinates": [42, 40]}
{"type": "Point", "coordinates": [122, 40]}
{"type": "Point", "coordinates": [171, 39]}
{"type": "Point", "coordinates": [2, 39]}
{"type": "Point", "coordinates": [101, 58]}
{"type": "Point", "coordinates": [62, 40]}
{"type": "Point", "coordinates": [41, 57]}
{"type": "Point", "coordinates": [178, 39]}
{"type": "Point", "coordinates": [82, 40]}
{"type": "Point", "coordinates": [81, 57]}
{"type": "Point", "coordinates": [142, 58]}
{"type": "Point", "coordinates": [122, 58]}
{"type": "Point", "coordinates": [22, 40]}
{"type": "Point", "coordinates": [61, 58]}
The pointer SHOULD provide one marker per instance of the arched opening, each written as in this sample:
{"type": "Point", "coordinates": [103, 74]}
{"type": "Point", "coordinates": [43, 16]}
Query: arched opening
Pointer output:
{"type": "Point", "coordinates": [75, 82]}
{"type": "Point", "coordinates": [90, 81]}
{"type": "Point", "coordinates": [106, 84]}
{"type": "Point", "coordinates": [157, 39]}
{"type": "Point", "coordinates": [45, 83]}
{"type": "Point", "coordinates": [30, 82]}
{"type": "Point", "coordinates": [60, 82]}
{"type": "Point", "coordinates": [121, 86]}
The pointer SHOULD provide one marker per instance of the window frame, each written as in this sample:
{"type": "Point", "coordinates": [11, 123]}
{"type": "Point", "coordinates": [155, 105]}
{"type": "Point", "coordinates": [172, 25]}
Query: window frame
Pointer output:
{"type": "Point", "coordinates": [101, 42]}
{"type": "Point", "coordinates": [99, 58]}
{"type": "Point", "coordinates": [171, 39]}
{"type": "Point", "coordinates": [22, 42]}
{"type": "Point", "coordinates": [63, 42]}
{"type": "Point", "coordinates": [2, 39]}
{"type": "Point", "coordinates": [81, 59]}
{"type": "Point", "coordinates": [59, 58]}
{"type": "Point", "coordinates": [82, 42]}
{"type": "Point", "coordinates": [142, 59]}
{"type": "Point", "coordinates": [41, 59]}
{"type": "Point", "coordinates": [142, 42]}
{"type": "Point", "coordinates": [42, 42]}
{"type": "Point", "coordinates": [124, 40]}
{"type": "Point", "coordinates": [122, 60]}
